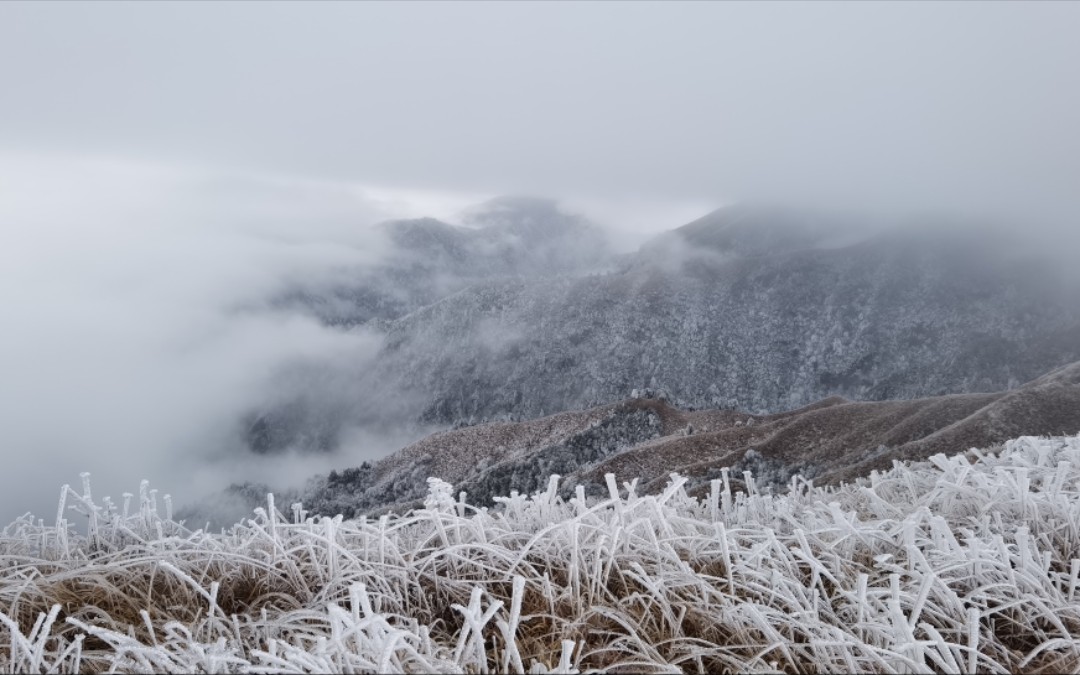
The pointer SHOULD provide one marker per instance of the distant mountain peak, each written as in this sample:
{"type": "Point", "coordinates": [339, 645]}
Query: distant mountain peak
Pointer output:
{"type": "Point", "coordinates": [529, 218]}
{"type": "Point", "coordinates": [510, 208]}
{"type": "Point", "coordinates": [754, 230]}
{"type": "Point", "coordinates": [404, 231]}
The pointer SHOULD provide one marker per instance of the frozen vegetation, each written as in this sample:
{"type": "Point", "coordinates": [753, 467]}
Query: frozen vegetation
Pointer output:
{"type": "Point", "coordinates": [960, 564]}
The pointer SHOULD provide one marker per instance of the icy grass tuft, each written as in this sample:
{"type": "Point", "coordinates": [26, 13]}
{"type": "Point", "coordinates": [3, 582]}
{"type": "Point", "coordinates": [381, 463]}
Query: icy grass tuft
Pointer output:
{"type": "Point", "coordinates": [961, 564]}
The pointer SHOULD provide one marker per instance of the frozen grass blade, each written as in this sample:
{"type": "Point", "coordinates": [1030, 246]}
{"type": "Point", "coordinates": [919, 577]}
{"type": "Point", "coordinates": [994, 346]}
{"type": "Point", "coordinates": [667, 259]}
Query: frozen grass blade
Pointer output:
{"type": "Point", "coordinates": [946, 565]}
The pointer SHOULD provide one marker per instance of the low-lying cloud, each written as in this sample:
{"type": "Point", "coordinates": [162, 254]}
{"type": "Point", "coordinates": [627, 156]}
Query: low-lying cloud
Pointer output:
{"type": "Point", "coordinates": [136, 328]}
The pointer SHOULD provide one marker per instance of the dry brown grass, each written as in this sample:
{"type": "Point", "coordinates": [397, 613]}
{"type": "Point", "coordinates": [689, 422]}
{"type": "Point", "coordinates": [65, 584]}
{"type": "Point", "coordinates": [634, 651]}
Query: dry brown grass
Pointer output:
{"type": "Point", "coordinates": [954, 566]}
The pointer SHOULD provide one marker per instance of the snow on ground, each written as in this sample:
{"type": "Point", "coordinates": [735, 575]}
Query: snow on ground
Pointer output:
{"type": "Point", "coordinates": [961, 564]}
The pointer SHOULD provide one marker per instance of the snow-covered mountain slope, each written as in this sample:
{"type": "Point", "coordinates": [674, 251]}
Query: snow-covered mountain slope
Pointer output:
{"type": "Point", "coordinates": [757, 309]}
{"type": "Point", "coordinates": [960, 564]}
{"type": "Point", "coordinates": [830, 441]}
{"type": "Point", "coordinates": [424, 261]}
{"type": "Point", "coordinates": [753, 324]}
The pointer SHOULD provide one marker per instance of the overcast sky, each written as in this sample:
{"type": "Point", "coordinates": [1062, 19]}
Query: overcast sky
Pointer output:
{"type": "Point", "coordinates": [165, 165]}
{"type": "Point", "coordinates": [706, 100]}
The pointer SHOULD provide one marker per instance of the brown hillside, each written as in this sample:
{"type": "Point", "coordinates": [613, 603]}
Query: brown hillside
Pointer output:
{"type": "Point", "coordinates": [830, 441]}
{"type": "Point", "coordinates": [845, 440]}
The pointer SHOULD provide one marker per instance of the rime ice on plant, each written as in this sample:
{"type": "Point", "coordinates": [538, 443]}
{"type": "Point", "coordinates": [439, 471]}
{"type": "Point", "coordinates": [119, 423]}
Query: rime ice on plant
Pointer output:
{"type": "Point", "coordinates": [960, 564]}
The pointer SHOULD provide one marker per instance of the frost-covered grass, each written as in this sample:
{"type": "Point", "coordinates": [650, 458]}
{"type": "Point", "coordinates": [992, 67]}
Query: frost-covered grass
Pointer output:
{"type": "Point", "coordinates": [958, 565]}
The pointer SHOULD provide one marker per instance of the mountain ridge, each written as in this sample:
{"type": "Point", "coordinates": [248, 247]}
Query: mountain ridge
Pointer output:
{"type": "Point", "coordinates": [758, 319]}
{"type": "Point", "coordinates": [875, 320]}
{"type": "Point", "coordinates": [645, 439]}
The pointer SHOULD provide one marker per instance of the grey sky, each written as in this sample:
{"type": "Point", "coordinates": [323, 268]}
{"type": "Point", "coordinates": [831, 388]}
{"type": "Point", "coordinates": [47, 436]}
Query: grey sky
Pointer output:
{"type": "Point", "coordinates": [933, 103]}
